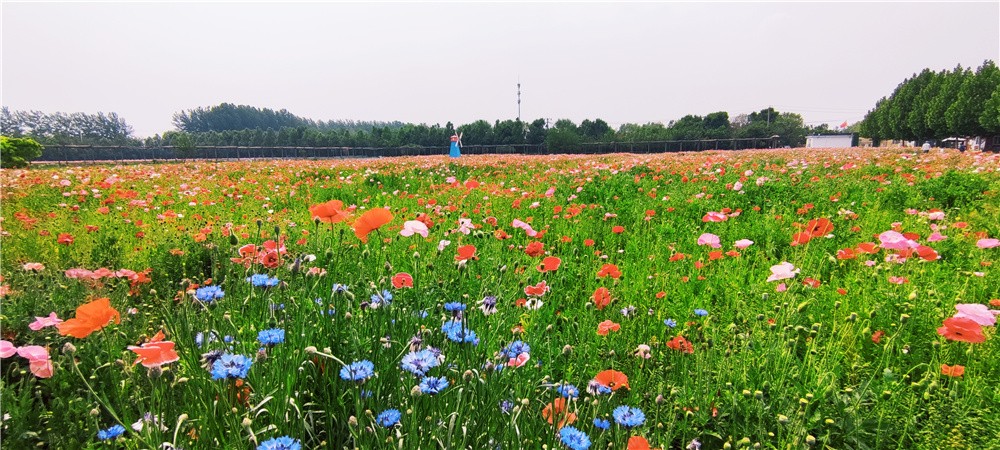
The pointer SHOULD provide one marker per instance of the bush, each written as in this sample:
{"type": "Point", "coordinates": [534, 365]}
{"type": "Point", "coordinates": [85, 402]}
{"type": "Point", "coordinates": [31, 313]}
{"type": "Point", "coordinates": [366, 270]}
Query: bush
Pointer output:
{"type": "Point", "coordinates": [16, 152]}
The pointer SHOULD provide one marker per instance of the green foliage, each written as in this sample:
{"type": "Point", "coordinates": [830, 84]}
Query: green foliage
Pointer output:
{"type": "Point", "coordinates": [17, 152]}
{"type": "Point", "coordinates": [62, 128]}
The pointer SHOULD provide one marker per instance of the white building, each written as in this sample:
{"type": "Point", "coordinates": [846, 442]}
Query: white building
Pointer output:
{"type": "Point", "coordinates": [830, 141]}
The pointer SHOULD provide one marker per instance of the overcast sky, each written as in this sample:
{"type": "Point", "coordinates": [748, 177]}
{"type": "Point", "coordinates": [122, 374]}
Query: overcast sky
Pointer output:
{"type": "Point", "coordinates": [439, 62]}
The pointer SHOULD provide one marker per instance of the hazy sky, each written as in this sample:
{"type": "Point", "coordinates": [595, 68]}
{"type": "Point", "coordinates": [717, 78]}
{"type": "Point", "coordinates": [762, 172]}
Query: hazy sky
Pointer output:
{"type": "Point", "coordinates": [438, 62]}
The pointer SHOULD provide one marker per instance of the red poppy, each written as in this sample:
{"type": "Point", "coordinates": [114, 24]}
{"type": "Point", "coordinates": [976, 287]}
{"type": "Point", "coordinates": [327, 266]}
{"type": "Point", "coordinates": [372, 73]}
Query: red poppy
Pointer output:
{"type": "Point", "coordinates": [926, 253]}
{"type": "Point", "coordinates": [868, 247]}
{"type": "Point", "coordinates": [535, 249]}
{"type": "Point", "coordinates": [601, 297]}
{"type": "Point", "coordinates": [588, 242]}
{"type": "Point", "coordinates": [466, 252]}
{"type": "Point", "coordinates": [618, 229]}
{"type": "Point", "coordinates": [680, 344]}
{"type": "Point", "coordinates": [371, 220]}
{"type": "Point", "coordinates": [65, 238]}
{"type": "Point", "coordinates": [606, 327]}
{"type": "Point", "coordinates": [156, 352]}
{"type": "Point", "coordinates": [401, 280]}
{"type": "Point", "coordinates": [952, 371]}
{"type": "Point", "coordinates": [801, 238]}
{"type": "Point", "coordinates": [332, 211]}
{"type": "Point", "coordinates": [846, 253]}
{"type": "Point", "coordinates": [549, 264]}
{"type": "Point", "coordinates": [877, 336]}
{"type": "Point", "coordinates": [962, 329]}
{"type": "Point", "coordinates": [661, 294]}
{"type": "Point", "coordinates": [811, 282]}
{"type": "Point", "coordinates": [612, 379]}
{"type": "Point", "coordinates": [676, 257]}
{"type": "Point", "coordinates": [536, 290]}
{"type": "Point", "coordinates": [557, 410]}
{"type": "Point", "coordinates": [90, 317]}
{"type": "Point", "coordinates": [714, 255]}
{"type": "Point", "coordinates": [819, 227]}
{"type": "Point", "coordinates": [609, 270]}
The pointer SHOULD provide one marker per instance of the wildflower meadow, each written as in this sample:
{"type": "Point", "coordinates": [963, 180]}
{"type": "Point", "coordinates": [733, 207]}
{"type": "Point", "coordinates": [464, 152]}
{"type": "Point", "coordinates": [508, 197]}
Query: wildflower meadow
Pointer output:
{"type": "Point", "coordinates": [790, 298]}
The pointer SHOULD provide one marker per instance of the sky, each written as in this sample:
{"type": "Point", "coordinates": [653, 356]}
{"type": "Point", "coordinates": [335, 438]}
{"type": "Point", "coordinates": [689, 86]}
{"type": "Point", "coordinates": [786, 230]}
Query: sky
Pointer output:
{"type": "Point", "coordinates": [438, 62]}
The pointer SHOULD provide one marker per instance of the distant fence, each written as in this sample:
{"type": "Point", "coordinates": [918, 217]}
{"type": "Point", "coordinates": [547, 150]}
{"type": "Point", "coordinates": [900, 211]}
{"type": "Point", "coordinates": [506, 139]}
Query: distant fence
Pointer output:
{"type": "Point", "coordinates": [88, 153]}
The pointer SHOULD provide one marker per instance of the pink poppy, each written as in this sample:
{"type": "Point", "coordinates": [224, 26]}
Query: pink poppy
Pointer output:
{"type": "Point", "coordinates": [411, 227]}
{"type": "Point", "coordinates": [977, 313]}
{"type": "Point", "coordinates": [520, 360]}
{"type": "Point", "coordinates": [42, 322]}
{"type": "Point", "coordinates": [41, 368]}
{"type": "Point", "coordinates": [7, 349]}
{"type": "Point", "coordinates": [936, 237]}
{"type": "Point", "coordinates": [517, 223]}
{"type": "Point", "coordinates": [709, 239]}
{"type": "Point", "coordinates": [988, 243]}
{"type": "Point", "coordinates": [34, 267]}
{"type": "Point", "coordinates": [896, 241]}
{"type": "Point", "coordinates": [743, 243]}
{"type": "Point", "coordinates": [465, 226]}
{"type": "Point", "coordinates": [782, 271]}
{"type": "Point", "coordinates": [33, 353]}
{"type": "Point", "coordinates": [78, 273]}
{"type": "Point", "coordinates": [781, 288]}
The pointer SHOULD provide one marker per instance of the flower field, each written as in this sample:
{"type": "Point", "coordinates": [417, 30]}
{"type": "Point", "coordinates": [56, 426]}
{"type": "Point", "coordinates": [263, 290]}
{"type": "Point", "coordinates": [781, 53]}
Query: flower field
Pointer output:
{"type": "Point", "coordinates": [793, 298]}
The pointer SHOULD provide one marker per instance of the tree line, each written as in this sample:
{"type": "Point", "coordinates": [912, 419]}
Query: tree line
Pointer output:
{"type": "Point", "coordinates": [240, 125]}
{"type": "Point", "coordinates": [937, 105]}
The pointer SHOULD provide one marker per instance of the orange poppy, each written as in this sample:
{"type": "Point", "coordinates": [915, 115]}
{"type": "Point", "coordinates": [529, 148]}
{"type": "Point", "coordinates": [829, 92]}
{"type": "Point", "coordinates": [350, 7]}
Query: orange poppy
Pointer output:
{"type": "Point", "coordinates": [612, 379]}
{"type": "Point", "coordinates": [801, 238]}
{"type": "Point", "coordinates": [370, 221]}
{"type": "Point", "coordinates": [606, 327]}
{"type": "Point", "coordinates": [638, 443]}
{"type": "Point", "coordinates": [557, 409]}
{"type": "Point", "coordinates": [952, 371]}
{"type": "Point", "coordinates": [549, 264]}
{"type": "Point", "coordinates": [926, 253]}
{"type": "Point", "coordinates": [466, 252]}
{"type": "Point", "coordinates": [90, 317]}
{"type": "Point", "coordinates": [960, 329]}
{"type": "Point", "coordinates": [156, 352]}
{"type": "Point", "coordinates": [535, 248]}
{"type": "Point", "coordinates": [846, 253]}
{"type": "Point", "coordinates": [332, 211]}
{"type": "Point", "coordinates": [601, 297]}
{"type": "Point", "coordinates": [536, 290]}
{"type": "Point", "coordinates": [868, 247]}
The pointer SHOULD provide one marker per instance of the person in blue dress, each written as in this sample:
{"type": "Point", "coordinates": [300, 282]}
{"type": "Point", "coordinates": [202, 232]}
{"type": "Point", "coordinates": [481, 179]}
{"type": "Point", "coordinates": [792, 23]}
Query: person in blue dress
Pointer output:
{"type": "Point", "coordinates": [456, 145]}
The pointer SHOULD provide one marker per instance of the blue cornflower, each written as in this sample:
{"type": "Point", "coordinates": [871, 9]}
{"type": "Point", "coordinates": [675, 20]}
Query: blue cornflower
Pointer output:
{"type": "Point", "coordinates": [358, 371]}
{"type": "Point", "coordinates": [454, 307]}
{"type": "Point", "coordinates": [231, 366]}
{"type": "Point", "coordinates": [381, 299]}
{"type": "Point", "coordinates": [516, 348]}
{"type": "Point", "coordinates": [271, 337]}
{"type": "Point", "coordinates": [111, 433]}
{"type": "Point", "coordinates": [573, 438]}
{"type": "Point", "coordinates": [281, 443]}
{"type": "Point", "coordinates": [388, 418]}
{"type": "Point", "coordinates": [262, 280]}
{"type": "Point", "coordinates": [340, 288]}
{"type": "Point", "coordinates": [568, 391]}
{"type": "Point", "coordinates": [209, 294]}
{"type": "Point", "coordinates": [433, 385]}
{"type": "Point", "coordinates": [700, 312]}
{"type": "Point", "coordinates": [506, 406]}
{"type": "Point", "coordinates": [488, 305]}
{"type": "Point", "coordinates": [459, 333]}
{"type": "Point", "coordinates": [602, 424]}
{"type": "Point", "coordinates": [628, 417]}
{"type": "Point", "coordinates": [201, 339]}
{"type": "Point", "coordinates": [596, 388]}
{"type": "Point", "coordinates": [418, 363]}
{"type": "Point", "coordinates": [670, 323]}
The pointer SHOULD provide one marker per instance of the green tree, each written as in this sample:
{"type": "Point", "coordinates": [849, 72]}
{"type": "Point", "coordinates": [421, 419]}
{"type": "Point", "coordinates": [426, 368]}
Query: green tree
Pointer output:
{"type": "Point", "coordinates": [563, 137]}
{"type": "Point", "coordinates": [936, 114]}
{"type": "Point", "coordinates": [970, 103]}
{"type": "Point", "coordinates": [596, 130]}
{"type": "Point", "coordinates": [17, 152]}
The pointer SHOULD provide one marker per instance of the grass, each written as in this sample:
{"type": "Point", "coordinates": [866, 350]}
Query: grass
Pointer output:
{"type": "Point", "coordinates": [768, 369]}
